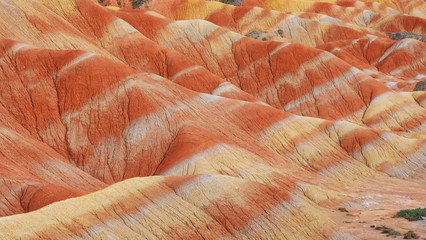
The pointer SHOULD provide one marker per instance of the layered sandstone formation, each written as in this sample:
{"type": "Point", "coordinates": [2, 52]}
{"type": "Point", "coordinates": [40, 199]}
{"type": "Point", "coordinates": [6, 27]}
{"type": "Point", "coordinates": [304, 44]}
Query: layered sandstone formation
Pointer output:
{"type": "Point", "coordinates": [197, 119]}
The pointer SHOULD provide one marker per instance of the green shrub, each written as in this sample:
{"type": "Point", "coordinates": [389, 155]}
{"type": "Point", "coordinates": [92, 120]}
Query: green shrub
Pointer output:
{"type": "Point", "coordinates": [411, 235]}
{"type": "Point", "coordinates": [226, 1]}
{"type": "Point", "coordinates": [412, 214]}
{"type": "Point", "coordinates": [137, 3]}
{"type": "Point", "coordinates": [231, 2]}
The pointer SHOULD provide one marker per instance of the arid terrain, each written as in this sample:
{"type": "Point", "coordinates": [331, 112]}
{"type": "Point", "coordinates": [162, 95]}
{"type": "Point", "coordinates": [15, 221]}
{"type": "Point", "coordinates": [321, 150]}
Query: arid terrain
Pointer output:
{"type": "Point", "coordinates": [196, 119]}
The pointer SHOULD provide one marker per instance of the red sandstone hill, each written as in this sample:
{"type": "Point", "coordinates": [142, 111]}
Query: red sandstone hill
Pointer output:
{"type": "Point", "coordinates": [194, 119]}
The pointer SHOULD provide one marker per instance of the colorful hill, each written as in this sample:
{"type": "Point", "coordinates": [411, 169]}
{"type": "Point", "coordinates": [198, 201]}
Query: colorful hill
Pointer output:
{"type": "Point", "coordinates": [196, 119]}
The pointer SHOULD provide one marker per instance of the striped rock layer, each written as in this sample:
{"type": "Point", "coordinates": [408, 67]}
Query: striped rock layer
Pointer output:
{"type": "Point", "coordinates": [196, 119]}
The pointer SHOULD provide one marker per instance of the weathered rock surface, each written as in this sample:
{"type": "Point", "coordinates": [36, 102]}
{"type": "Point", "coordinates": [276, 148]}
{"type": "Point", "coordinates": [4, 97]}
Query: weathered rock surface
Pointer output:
{"type": "Point", "coordinates": [203, 120]}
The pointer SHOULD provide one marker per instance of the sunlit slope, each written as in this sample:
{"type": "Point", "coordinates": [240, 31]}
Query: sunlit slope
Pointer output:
{"type": "Point", "coordinates": [204, 206]}
{"type": "Point", "coordinates": [115, 123]}
{"type": "Point", "coordinates": [202, 120]}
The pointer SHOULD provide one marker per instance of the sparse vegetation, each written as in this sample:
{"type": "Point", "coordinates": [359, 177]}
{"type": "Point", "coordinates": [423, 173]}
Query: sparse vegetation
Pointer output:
{"type": "Point", "coordinates": [388, 231]}
{"type": "Point", "coordinates": [137, 3]}
{"type": "Point", "coordinates": [420, 86]}
{"type": "Point", "coordinates": [392, 232]}
{"type": "Point", "coordinates": [342, 209]}
{"type": "Point", "coordinates": [402, 35]}
{"type": "Point", "coordinates": [410, 235]}
{"type": "Point", "coordinates": [380, 227]}
{"type": "Point", "coordinates": [259, 35]}
{"type": "Point", "coordinates": [231, 2]}
{"type": "Point", "coordinates": [412, 214]}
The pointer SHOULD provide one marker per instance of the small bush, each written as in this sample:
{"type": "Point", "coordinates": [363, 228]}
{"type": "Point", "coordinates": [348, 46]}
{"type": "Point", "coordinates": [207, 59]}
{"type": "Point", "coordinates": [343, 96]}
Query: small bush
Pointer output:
{"type": "Point", "coordinates": [342, 209]}
{"type": "Point", "coordinates": [231, 2]}
{"type": "Point", "coordinates": [387, 230]}
{"type": "Point", "coordinates": [412, 214]}
{"type": "Point", "coordinates": [411, 235]}
{"type": "Point", "coordinates": [381, 227]}
{"type": "Point", "coordinates": [394, 233]}
{"type": "Point", "coordinates": [137, 3]}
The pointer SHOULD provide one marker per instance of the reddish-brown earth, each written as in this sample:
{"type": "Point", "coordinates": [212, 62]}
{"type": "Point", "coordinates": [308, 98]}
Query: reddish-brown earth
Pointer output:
{"type": "Point", "coordinates": [174, 121]}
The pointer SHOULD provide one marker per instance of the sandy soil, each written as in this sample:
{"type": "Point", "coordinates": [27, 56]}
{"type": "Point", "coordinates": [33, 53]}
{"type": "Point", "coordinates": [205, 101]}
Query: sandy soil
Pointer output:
{"type": "Point", "coordinates": [374, 203]}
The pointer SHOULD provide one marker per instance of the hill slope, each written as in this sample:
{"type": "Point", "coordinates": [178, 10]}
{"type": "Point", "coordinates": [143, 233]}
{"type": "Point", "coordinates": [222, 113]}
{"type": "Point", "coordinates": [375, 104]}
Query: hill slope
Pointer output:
{"type": "Point", "coordinates": [204, 120]}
